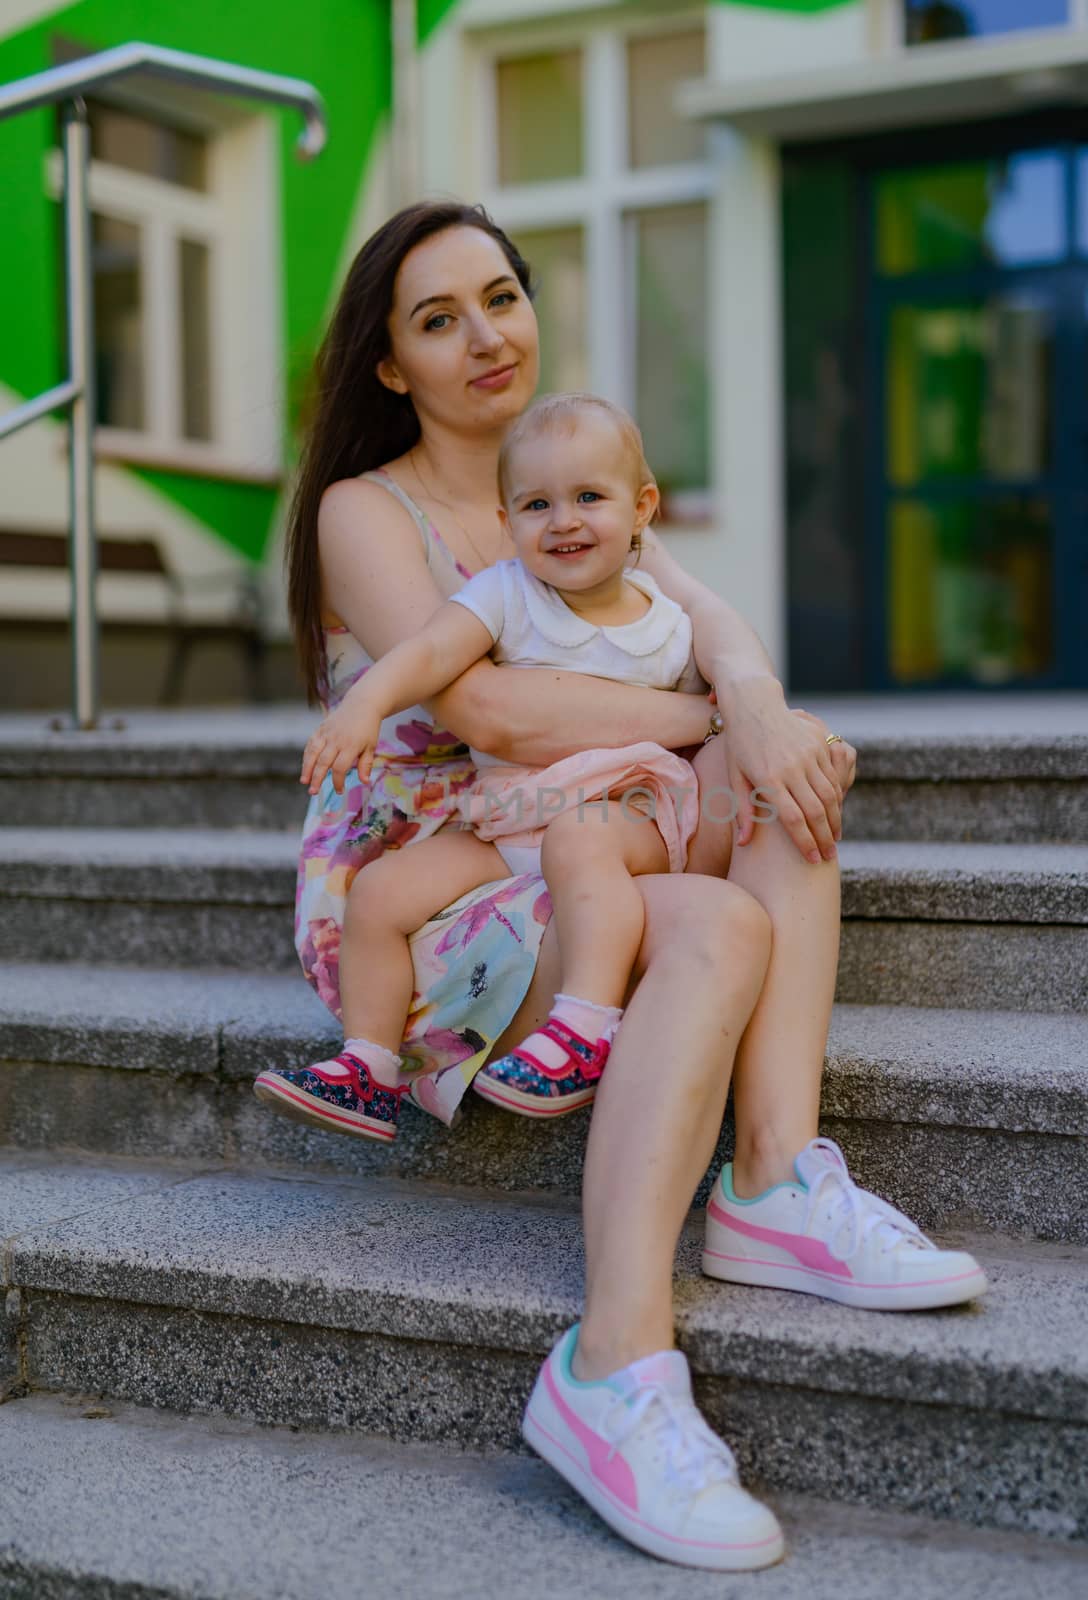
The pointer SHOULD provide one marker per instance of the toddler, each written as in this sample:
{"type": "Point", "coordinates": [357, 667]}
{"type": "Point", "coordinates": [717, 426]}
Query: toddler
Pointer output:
{"type": "Point", "coordinates": [576, 496]}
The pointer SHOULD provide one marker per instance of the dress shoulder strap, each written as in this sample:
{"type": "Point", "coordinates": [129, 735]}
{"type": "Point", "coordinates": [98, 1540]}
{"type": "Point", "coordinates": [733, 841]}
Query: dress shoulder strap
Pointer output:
{"type": "Point", "coordinates": [418, 516]}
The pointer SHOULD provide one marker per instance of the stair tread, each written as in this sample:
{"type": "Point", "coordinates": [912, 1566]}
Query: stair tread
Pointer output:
{"type": "Point", "coordinates": [951, 882]}
{"type": "Point", "coordinates": [920, 737]}
{"type": "Point", "coordinates": [504, 1272]}
{"type": "Point", "coordinates": [1035, 1063]}
{"type": "Point", "coordinates": [136, 1498]}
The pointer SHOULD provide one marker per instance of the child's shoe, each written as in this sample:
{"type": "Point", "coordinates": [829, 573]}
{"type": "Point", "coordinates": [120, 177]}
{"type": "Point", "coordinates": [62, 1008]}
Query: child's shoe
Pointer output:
{"type": "Point", "coordinates": [522, 1082]}
{"type": "Point", "coordinates": [341, 1096]}
{"type": "Point", "coordinates": [824, 1235]}
{"type": "Point", "coordinates": [636, 1448]}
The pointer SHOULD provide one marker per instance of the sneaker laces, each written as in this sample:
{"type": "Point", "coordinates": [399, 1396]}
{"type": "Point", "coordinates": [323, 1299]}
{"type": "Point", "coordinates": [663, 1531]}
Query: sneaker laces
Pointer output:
{"type": "Point", "coordinates": [858, 1212]}
{"type": "Point", "coordinates": [694, 1455]}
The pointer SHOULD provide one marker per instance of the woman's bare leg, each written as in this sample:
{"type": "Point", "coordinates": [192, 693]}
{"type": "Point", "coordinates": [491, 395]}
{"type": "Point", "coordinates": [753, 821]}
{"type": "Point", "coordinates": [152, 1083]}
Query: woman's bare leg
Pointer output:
{"type": "Point", "coordinates": [699, 970]}
{"type": "Point", "coordinates": [779, 1065]}
{"type": "Point", "coordinates": [659, 1107]}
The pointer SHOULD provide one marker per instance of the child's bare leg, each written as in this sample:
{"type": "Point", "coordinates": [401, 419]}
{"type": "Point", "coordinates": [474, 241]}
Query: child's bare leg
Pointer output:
{"type": "Point", "coordinates": [589, 859]}
{"type": "Point", "coordinates": [388, 900]}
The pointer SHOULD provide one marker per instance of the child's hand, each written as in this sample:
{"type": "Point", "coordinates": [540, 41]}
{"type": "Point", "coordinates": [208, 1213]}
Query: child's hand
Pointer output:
{"type": "Point", "coordinates": [346, 738]}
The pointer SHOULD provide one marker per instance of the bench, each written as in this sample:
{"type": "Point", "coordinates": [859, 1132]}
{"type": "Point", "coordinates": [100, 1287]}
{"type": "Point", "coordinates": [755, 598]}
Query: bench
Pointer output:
{"type": "Point", "coordinates": [144, 557]}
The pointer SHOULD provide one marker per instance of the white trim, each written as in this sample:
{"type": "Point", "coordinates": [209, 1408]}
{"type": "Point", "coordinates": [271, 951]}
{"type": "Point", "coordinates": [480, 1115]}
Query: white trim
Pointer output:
{"type": "Point", "coordinates": [1078, 14]}
{"type": "Point", "coordinates": [886, 27]}
{"type": "Point", "coordinates": [957, 79]}
{"type": "Point", "coordinates": [161, 331]}
{"type": "Point", "coordinates": [747, 439]}
{"type": "Point", "coordinates": [602, 199]}
{"type": "Point", "coordinates": [245, 356]}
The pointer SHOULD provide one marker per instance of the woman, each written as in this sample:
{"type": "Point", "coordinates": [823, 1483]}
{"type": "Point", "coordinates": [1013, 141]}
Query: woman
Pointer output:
{"type": "Point", "coordinates": [431, 354]}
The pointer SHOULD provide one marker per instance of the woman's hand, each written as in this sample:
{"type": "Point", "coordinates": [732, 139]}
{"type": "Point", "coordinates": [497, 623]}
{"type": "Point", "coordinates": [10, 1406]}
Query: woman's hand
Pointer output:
{"type": "Point", "coordinates": [784, 755]}
{"type": "Point", "coordinates": [346, 738]}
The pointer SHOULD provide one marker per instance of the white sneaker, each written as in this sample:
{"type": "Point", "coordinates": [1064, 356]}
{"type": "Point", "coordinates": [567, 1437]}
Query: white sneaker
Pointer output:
{"type": "Point", "coordinates": [636, 1448]}
{"type": "Point", "coordinates": [824, 1235]}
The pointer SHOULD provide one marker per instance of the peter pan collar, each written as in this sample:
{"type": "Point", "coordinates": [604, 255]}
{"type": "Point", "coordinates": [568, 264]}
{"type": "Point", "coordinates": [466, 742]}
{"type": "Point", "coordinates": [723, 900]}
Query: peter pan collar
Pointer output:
{"type": "Point", "coordinates": [555, 620]}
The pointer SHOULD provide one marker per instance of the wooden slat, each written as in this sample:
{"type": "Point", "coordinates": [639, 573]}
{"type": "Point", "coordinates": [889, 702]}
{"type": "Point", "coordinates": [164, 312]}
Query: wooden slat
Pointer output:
{"type": "Point", "coordinates": [51, 550]}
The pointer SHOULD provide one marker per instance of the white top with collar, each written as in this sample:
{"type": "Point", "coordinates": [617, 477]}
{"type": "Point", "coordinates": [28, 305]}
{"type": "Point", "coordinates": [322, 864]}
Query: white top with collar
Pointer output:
{"type": "Point", "coordinates": [533, 627]}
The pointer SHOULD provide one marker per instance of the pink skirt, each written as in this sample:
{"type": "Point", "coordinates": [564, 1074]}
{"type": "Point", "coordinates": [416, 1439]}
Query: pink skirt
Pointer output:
{"type": "Point", "coordinates": [512, 806]}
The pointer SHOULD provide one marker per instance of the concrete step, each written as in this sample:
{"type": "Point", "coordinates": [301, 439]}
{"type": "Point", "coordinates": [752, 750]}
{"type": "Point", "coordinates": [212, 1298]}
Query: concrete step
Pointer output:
{"type": "Point", "coordinates": [167, 769]}
{"type": "Point", "coordinates": [122, 1501]}
{"type": "Point", "coordinates": [372, 1305]}
{"type": "Point", "coordinates": [928, 924]}
{"type": "Point", "coordinates": [962, 1118]}
{"type": "Point", "coordinates": [1014, 777]}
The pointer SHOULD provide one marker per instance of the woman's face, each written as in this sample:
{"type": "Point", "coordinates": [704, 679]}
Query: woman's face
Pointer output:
{"type": "Point", "coordinates": [463, 334]}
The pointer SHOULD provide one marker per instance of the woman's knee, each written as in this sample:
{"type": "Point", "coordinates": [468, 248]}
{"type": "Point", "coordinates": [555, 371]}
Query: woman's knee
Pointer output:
{"type": "Point", "coordinates": [710, 916]}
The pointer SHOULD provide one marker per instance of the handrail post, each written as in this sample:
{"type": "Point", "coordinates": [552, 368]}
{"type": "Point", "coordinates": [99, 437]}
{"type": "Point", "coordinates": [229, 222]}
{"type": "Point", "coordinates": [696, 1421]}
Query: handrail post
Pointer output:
{"type": "Point", "coordinates": [81, 423]}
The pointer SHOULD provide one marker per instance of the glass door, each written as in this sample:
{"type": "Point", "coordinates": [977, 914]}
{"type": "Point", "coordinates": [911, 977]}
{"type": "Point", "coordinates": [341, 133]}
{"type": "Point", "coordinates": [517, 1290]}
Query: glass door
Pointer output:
{"type": "Point", "coordinates": [978, 496]}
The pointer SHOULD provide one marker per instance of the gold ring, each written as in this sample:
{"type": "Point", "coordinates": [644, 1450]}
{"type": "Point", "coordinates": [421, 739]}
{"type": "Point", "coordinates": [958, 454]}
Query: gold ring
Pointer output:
{"type": "Point", "coordinates": [833, 738]}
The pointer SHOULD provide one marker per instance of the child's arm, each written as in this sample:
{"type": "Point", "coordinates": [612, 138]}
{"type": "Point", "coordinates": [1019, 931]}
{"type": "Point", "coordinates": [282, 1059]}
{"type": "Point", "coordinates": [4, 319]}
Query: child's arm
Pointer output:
{"type": "Point", "coordinates": [413, 670]}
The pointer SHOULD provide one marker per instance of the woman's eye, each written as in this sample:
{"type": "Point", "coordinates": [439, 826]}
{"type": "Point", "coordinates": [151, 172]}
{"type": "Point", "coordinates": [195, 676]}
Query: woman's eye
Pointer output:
{"type": "Point", "coordinates": [438, 321]}
{"type": "Point", "coordinates": [505, 298]}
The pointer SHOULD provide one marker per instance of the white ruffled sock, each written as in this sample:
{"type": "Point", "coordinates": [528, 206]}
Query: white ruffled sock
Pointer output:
{"type": "Point", "coordinates": [383, 1065]}
{"type": "Point", "coordinates": [584, 1017]}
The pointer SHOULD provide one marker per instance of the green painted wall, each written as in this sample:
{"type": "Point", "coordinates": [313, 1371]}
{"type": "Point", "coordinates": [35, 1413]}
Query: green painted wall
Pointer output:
{"type": "Point", "coordinates": [342, 46]}
{"type": "Point", "coordinates": [429, 13]}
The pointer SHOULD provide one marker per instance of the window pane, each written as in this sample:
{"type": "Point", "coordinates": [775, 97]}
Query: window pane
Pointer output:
{"type": "Point", "coordinates": [118, 322]}
{"type": "Point", "coordinates": [195, 340]}
{"type": "Point", "coordinates": [655, 67]}
{"type": "Point", "coordinates": [557, 259]}
{"type": "Point", "coordinates": [671, 392]}
{"type": "Point", "coordinates": [969, 587]}
{"type": "Point", "coordinates": [930, 20]}
{"type": "Point", "coordinates": [540, 117]}
{"type": "Point", "coordinates": [1009, 212]}
{"type": "Point", "coordinates": [155, 149]}
{"type": "Point", "coordinates": [969, 390]}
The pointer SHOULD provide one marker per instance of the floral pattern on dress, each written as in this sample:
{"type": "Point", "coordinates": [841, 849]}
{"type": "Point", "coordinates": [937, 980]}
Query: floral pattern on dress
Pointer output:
{"type": "Point", "coordinates": [473, 960]}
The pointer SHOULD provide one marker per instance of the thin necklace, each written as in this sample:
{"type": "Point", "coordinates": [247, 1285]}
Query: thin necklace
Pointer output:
{"type": "Point", "coordinates": [485, 561]}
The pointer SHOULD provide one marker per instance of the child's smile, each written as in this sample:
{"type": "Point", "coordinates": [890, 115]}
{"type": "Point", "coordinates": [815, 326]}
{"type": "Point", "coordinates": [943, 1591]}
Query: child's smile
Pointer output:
{"type": "Point", "coordinates": [573, 506]}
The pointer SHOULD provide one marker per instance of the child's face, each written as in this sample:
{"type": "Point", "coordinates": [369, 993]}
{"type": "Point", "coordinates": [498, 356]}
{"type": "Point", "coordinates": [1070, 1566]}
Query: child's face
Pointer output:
{"type": "Point", "coordinates": [573, 502]}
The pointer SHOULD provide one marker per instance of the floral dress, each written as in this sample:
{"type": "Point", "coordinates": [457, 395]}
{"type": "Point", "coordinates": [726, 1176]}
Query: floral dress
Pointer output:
{"type": "Point", "coordinates": [474, 960]}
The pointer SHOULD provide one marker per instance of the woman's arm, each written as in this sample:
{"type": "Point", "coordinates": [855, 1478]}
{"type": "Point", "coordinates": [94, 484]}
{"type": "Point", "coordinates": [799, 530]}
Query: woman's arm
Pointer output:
{"type": "Point", "coordinates": [376, 581]}
{"type": "Point", "coordinates": [781, 752]}
{"type": "Point", "coordinates": [532, 716]}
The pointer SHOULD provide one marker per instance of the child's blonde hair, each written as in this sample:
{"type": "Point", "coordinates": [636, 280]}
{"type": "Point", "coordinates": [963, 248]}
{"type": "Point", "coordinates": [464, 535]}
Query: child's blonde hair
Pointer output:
{"type": "Point", "coordinates": [555, 413]}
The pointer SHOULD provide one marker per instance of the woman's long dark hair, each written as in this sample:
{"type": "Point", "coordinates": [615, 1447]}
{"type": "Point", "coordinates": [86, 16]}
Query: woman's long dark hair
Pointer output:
{"type": "Point", "coordinates": [357, 424]}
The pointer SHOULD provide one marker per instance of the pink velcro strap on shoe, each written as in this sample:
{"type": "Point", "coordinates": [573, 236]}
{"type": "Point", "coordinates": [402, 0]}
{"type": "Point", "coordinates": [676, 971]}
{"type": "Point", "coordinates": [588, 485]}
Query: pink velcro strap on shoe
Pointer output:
{"type": "Point", "coordinates": [565, 1038]}
{"type": "Point", "coordinates": [362, 1079]}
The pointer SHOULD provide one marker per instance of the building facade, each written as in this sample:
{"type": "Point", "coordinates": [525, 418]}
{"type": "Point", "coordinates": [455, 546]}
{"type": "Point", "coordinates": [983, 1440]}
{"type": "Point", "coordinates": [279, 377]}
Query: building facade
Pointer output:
{"type": "Point", "coordinates": [833, 253]}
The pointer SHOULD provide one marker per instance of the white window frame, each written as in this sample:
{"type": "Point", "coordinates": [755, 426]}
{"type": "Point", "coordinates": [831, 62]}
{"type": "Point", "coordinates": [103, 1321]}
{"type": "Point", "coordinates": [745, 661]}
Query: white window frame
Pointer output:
{"type": "Point", "coordinates": [602, 200]}
{"type": "Point", "coordinates": [236, 217]}
{"type": "Point", "coordinates": [887, 28]}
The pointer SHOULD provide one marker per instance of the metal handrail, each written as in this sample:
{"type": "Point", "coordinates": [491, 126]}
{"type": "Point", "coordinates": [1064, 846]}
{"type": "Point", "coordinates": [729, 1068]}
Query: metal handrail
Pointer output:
{"type": "Point", "coordinates": [67, 84]}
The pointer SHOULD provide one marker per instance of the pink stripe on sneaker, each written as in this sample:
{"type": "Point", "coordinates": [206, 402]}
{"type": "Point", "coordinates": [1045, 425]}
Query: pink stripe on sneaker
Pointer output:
{"type": "Point", "coordinates": [813, 1255]}
{"type": "Point", "coordinates": [786, 1266]}
{"type": "Point", "coordinates": [640, 1522]}
{"type": "Point", "coordinates": [611, 1471]}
